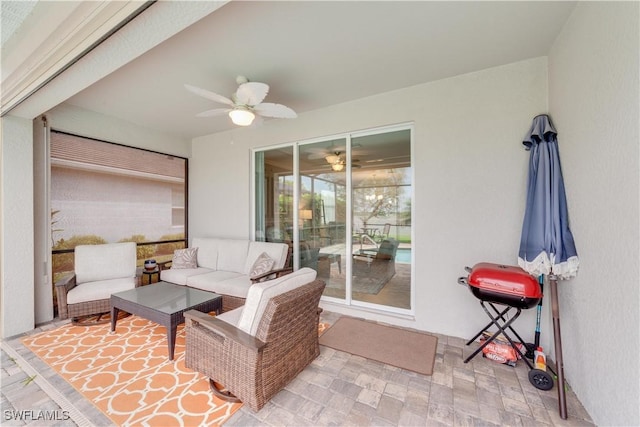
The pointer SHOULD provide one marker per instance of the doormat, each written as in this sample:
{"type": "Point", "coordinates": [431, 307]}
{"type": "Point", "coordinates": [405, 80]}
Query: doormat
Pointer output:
{"type": "Point", "coordinates": [128, 376]}
{"type": "Point", "coordinates": [407, 349]}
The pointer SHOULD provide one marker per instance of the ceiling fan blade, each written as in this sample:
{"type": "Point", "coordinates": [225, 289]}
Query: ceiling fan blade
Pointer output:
{"type": "Point", "coordinates": [268, 109]}
{"type": "Point", "coordinates": [321, 150]}
{"type": "Point", "coordinates": [214, 112]}
{"type": "Point", "coordinates": [251, 93]}
{"type": "Point", "coordinates": [209, 95]}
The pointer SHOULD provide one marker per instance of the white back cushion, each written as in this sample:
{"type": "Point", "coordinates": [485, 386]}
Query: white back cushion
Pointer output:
{"type": "Point", "coordinates": [260, 293]}
{"type": "Point", "coordinates": [231, 317]}
{"type": "Point", "coordinates": [232, 255]}
{"type": "Point", "coordinates": [207, 251]}
{"type": "Point", "coordinates": [104, 262]}
{"type": "Point", "coordinates": [276, 251]}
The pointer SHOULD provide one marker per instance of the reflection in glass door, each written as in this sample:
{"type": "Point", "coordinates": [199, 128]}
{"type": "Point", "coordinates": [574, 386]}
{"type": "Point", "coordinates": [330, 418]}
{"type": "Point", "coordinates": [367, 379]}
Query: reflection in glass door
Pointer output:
{"type": "Point", "coordinates": [274, 195]}
{"type": "Point", "coordinates": [345, 212]}
{"type": "Point", "coordinates": [381, 218]}
{"type": "Point", "coordinates": [322, 212]}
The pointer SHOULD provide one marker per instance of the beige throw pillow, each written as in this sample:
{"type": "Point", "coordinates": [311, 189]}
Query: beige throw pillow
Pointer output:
{"type": "Point", "coordinates": [263, 264]}
{"type": "Point", "coordinates": [185, 258]}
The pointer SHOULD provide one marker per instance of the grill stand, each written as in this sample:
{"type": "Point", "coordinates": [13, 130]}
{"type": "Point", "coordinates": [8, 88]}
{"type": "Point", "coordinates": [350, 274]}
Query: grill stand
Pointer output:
{"type": "Point", "coordinates": [501, 329]}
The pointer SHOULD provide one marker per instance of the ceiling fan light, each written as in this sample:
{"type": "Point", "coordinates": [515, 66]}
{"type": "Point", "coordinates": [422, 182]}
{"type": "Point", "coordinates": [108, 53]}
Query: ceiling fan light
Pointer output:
{"type": "Point", "coordinates": [332, 158]}
{"type": "Point", "coordinates": [241, 116]}
{"type": "Point", "coordinates": [337, 167]}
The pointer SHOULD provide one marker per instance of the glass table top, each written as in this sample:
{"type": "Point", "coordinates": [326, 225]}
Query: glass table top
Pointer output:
{"type": "Point", "coordinates": [166, 297]}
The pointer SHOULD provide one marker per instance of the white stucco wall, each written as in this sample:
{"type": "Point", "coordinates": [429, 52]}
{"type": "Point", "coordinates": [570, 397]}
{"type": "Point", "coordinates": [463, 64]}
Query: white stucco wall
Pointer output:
{"type": "Point", "coordinates": [470, 169]}
{"type": "Point", "coordinates": [111, 206]}
{"type": "Point", "coordinates": [16, 222]}
{"type": "Point", "coordinates": [593, 98]}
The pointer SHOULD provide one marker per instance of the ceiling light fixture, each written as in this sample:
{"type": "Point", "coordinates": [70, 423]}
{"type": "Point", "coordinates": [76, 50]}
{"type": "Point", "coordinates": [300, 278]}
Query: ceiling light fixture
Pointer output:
{"type": "Point", "coordinates": [241, 116]}
{"type": "Point", "coordinates": [336, 162]}
{"type": "Point", "coordinates": [332, 158]}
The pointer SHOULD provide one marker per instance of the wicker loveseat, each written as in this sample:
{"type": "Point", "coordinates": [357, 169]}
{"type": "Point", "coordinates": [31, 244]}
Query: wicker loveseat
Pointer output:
{"type": "Point", "coordinates": [224, 267]}
{"type": "Point", "coordinates": [255, 350]}
{"type": "Point", "coordinates": [99, 271]}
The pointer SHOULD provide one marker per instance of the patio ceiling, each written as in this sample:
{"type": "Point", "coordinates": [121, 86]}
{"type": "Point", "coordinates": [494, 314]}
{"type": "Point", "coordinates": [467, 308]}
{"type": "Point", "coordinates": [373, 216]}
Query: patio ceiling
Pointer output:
{"type": "Point", "coordinates": [317, 54]}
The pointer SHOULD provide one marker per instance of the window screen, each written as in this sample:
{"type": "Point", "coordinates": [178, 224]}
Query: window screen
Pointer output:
{"type": "Point", "coordinates": [105, 193]}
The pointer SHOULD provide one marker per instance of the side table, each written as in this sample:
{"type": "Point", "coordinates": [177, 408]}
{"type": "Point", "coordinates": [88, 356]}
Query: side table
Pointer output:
{"type": "Point", "coordinates": [150, 274]}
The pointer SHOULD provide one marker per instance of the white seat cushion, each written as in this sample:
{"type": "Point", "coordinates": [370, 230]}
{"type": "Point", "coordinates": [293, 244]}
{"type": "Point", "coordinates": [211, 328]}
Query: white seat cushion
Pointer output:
{"type": "Point", "coordinates": [260, 293]}
{"type": "Point", "coordinates": [236, 286]}
{"type": "Point", "coordinates": [223, 283]}
{"type": "Point", "coordinates": [101, 289]}
{"type": "Point", "coordinates": [179, 276]}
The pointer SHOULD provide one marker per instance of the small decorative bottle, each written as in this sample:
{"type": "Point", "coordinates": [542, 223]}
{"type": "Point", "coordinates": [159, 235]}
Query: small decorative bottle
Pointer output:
{"type": "Point", "coordinates": [540, 360]}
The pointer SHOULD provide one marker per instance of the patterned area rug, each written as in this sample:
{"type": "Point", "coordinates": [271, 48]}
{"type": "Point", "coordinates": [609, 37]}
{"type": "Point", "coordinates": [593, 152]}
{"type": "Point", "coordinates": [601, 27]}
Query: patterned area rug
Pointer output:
{"type": "Point", "coordinates": [363, 285]}
{"type": "Point", "coordinates": [128, 376]}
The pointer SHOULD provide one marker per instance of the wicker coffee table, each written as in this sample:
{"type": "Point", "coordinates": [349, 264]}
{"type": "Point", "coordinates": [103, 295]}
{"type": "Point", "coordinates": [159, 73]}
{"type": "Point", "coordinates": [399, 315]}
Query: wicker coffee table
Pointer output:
{"type": "Point", "coordinates": [163, 303]}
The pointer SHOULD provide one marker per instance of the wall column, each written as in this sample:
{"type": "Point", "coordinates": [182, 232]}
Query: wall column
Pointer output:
{"type": "Point", "coordinates": [16, 226]}
{"type": "Point", "coordinates": [43, 281]}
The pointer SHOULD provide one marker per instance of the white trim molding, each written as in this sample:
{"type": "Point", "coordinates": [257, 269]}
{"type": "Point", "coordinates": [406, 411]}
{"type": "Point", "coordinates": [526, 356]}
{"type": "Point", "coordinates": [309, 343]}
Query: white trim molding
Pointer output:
{"type": "Point", "coordinates": [52, 37]}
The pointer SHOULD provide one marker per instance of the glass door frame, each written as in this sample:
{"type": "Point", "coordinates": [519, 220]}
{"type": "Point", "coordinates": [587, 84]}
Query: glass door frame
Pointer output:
{"type": "Point", "coordinates": [348, 301]}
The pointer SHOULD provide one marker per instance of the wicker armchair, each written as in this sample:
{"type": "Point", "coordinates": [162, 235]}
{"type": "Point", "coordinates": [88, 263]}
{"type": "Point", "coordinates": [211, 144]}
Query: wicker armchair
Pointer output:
{"type": "Point", "coordinates": [379, 263]}
{"type": "Point", "coordinates": [254, 366]}
{"type": "Point", "coordinates": [99, 271]}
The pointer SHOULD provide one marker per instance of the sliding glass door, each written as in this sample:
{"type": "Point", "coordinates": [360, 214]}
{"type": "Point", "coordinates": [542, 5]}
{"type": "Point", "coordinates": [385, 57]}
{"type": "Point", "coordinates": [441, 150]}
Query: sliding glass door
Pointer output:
{"type": "Point", "coordinates": [274, 193]}
{"type": "Point", "coordinates": [381, 218]}
{"type": "Point", "coordinates": [323, 212]}
{"type": "Point", "coordinates": [343, 205]}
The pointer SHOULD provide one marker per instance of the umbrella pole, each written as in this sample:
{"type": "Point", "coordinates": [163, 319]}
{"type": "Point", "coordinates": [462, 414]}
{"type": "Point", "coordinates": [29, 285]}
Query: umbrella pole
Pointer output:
{"type": "Point", "coordinates": [536, 341]}
{"type": "Point", "coordinates": [555, 308]}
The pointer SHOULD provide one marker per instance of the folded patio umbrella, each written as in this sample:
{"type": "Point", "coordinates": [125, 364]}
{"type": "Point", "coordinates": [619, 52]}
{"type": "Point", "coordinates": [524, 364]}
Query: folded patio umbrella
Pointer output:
{"type": "Point", "coordinates": [546, 245]}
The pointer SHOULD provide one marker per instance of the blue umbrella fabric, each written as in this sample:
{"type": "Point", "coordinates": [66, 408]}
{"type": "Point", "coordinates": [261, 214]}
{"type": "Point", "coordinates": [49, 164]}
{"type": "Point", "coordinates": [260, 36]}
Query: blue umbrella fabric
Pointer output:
{"type": "Point", "coordinates": [546, 244]}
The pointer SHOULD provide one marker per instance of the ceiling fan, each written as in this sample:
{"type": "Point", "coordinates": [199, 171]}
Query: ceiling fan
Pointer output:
{"type": "Point", "coordinates": [338, 162]}
{"type": "Point", "coordinates": [322, 152]}
{"type": "Point", "coordinates": [245, 104]}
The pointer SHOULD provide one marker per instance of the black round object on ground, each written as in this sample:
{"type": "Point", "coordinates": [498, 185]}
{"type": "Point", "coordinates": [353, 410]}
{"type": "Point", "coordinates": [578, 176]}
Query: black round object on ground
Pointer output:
{"type": "Point", "coordinates": [540, 379]}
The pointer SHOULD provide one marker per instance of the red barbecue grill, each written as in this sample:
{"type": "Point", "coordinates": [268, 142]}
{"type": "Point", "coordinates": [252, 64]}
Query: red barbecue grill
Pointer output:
{"type": "Point", "coordinates": [513, 288]}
